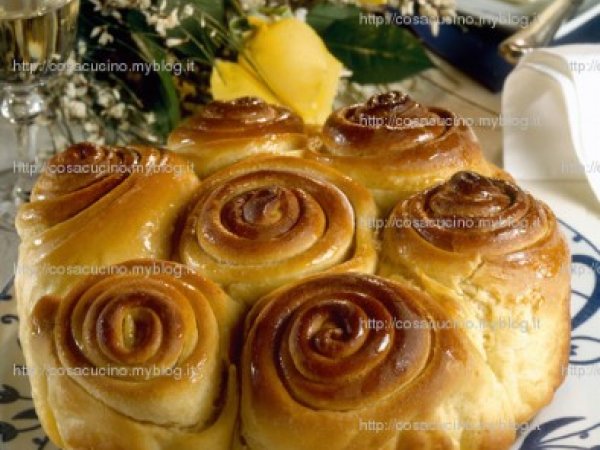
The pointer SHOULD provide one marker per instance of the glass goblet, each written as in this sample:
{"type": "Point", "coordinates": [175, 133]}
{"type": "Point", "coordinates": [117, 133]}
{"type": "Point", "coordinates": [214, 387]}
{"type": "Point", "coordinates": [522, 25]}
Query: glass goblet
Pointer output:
{"type": "Point", "coordinates": [36, 38]}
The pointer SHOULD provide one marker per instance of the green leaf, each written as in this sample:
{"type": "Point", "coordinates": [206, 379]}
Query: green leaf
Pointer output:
{"type": "Point", "coordinates": [168, 112]}
{"type": "Point", "coordinates": [214, 8]}
{"type": "Point", "coordinates": [136, 21]}
{"type": "Point", "coordinates": [376, 54]}
{"type": "Point", "coordinates": [323, 14]}
{"type": "Point", "coordinates": [198, 42]}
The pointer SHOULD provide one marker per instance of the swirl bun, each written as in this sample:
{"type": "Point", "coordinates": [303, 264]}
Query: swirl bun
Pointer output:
{"type": "Point", "coordinates": [225, 132]}
{"type": "Point", "coordinates": [78, 208]}
{"type": "Point", "coordinates": [397, 147]}
{"type": "Point", "coordinates": [499, 252]}
{"type": "Point", "coordinates": [471, 212]}
{"type": "Point", "coordinates": [148, 344]}
{"type": "Point", "coordinates": [270, 220]}
{"type": "Point", "coordinates": [58, 179]}
{"type": "Point", "coordinates": [78, 177]}
{"type": "Point", "coordinates": [324, 357]}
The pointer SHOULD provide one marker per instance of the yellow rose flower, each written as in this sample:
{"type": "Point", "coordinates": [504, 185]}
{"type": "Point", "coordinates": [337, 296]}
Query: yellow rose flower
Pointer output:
{"type": "Point", "coordinates": [284, 62]}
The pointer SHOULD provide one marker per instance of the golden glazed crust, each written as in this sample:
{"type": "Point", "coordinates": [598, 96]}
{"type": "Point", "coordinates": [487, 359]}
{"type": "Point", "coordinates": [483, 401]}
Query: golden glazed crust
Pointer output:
{"type": "Point", "coordinates": [397, 147]}
{"type": "Point", "coordinates": [270, 220]}
{"type": "Point", "coordinates": [135, 360]}
{"type": "Point", "coordinates": [95, 206]}
{"type": "Point", "coordinates": [225, 132]}
{"type": "Point", "coordinates": [499, 253]}
{"type": "Point", "coordinates": [319, 373]}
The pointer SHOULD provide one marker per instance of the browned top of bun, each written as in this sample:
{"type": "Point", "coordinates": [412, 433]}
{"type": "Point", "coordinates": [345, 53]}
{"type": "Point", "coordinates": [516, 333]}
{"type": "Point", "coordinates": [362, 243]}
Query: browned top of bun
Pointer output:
{"type": "Point", "coordinates": [386, 122]}
{"type": "Point", "coordinates": [85, 164]}
{"type": "Point", "coordinates": [471, 212]}
{"type": "Point", "coordinates": [319, 336]}
{"type": "Point", "coordinates": [238, 118]}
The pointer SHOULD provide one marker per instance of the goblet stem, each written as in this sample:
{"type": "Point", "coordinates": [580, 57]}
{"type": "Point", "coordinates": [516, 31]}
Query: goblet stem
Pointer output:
{"type": "Point", "coordinates": [24, 165]}
{"type": "Point", "coordinates": [21, 106]}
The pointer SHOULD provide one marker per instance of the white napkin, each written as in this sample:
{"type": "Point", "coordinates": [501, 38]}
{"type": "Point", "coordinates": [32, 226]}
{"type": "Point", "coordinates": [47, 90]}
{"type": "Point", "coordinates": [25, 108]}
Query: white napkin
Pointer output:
{"type": "Point", "coordinates": [551, 115]}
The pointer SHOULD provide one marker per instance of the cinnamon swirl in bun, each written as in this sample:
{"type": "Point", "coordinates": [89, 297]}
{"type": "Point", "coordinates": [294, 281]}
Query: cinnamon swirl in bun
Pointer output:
{"type": "Point", "coordinates": [138, 358]}
{"type": "Point", "coordinates": [94, 206]}
{"type": "Point", "coordinates": [499, 253]}
{"type": "Point", "coordinates": [269, 220]}
{"type": "Point", "coordinates": [225, 132]}
{"type": "Point", "coordinates": [397, 147]}
{"type": "Point", "coordinates": [328, 363]}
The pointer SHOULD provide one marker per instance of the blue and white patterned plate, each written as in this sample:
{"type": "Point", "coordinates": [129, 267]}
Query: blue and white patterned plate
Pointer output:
{"type": "Point", "coordinates": [572, 421]}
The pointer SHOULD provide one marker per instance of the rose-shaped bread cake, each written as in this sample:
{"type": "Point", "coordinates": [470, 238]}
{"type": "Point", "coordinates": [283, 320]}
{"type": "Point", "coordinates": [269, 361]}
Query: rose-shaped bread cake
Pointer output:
{"type": "Point", "coordinates": [460, 337]}
{"type": "Point", "coordinates": [498, 252]}
{"type": "Point", "coordinates": [136, 359]}
{"type": "Point", "coordinates": [225, 132]}
{"type": "Point", "coordinates": [397, 147]}
{"type": "Point", "coordinates": [270, 220]}
{"type": "Point", "coordinates": [325, 367]}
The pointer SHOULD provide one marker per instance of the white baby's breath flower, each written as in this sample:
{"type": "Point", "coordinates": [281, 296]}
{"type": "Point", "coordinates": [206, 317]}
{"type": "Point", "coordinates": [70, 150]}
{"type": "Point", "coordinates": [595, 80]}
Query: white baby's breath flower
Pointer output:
{"type": "Point", "coordinates": [433, 14]}
{"type": "Point", "coordinates": [117, 111]}
{"type": "Point", "coordinates": [300, 14]}
{"type": "Point", "coordinates": [407, 8]}
{"type": "Point", "coordinates": [81, 91]}
{"type": "Point", "coordinates": [174, 42]}
{"type": "Point", "coordinates": [150, 118]}
{"type": "Point", "coordinates": [80, 80]}
{"type": "Point", "coordinates": [151, 18]}
{"type": "Point", "coordinates": [70, 65]}
{"type": "Point", "coordinates": [187, 11]}
{"type": "Point", "coordinates": [105, 38]}
{"type": "Point", "coordinates": [101, 32]}
{"type": "Point", "coordinates": [70, 90]}
{"type": "Point", "coordinates": [104, 98]}
{"type": "Point", "coordinates": [77, 109]}
{"type": "Point", "coordinates": [91, 128]}
{"type": "Point", "coordinates": [108, 6]}
{"type": "Point", "coordinates": [162, 22]}
{"type": "Point", "coordinates": [81, 47]}
{"type": "Point", "coordinates": [252, 4]}
{"type": "Point", "coordinates": [97, 5]}
{"type": "Point", "coordinates": [346, 73]}
{"type": "Point", "coordinates": [96, 31]}
{"type": "Point", "coordinates": [161, 29]}
{"type": "Point", "coordinates": [167, 23]}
